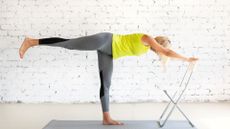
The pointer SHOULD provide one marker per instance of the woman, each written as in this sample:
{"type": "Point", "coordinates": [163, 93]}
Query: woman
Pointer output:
{"type": "Point", "coordinates": [109, 46]}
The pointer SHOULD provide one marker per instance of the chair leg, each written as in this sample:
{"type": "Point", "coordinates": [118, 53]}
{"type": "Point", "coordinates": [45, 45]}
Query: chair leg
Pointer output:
{"type": "Point", "coordinates": [166, 108]}
{"type": "Point", "coordinates": [175, 102]}
{"type": "Point", "coordinates": [180, 110]}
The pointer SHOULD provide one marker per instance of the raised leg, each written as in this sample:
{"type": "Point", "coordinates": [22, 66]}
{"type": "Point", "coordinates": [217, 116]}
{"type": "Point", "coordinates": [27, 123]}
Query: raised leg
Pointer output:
{"type": "Point", "coordinates": [91, 42]}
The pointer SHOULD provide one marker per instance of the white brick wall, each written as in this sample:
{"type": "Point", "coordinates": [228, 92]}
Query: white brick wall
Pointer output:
{"type": "Point", "coordinates": [196, 27]}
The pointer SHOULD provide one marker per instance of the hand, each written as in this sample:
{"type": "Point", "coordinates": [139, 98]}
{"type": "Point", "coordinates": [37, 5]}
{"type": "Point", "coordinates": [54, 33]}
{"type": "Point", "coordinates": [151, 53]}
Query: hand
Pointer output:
{"type": "Point", "coordinates": [192, 59]}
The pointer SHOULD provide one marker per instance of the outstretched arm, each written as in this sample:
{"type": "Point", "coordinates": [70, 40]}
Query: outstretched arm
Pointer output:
{"type": "Point", "coordinates": [165, 51]}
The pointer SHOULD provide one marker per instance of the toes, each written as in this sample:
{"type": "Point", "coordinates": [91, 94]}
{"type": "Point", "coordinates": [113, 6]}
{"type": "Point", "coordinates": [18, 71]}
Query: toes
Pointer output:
{"type": "Point", "coordinates": [113, 122]}
{"type": "Point", "coordinates": [117, 122]}
{"type": "Point", "coordinates": [120, 123]}
{"type": "Point", "coordinates": [20, 54]}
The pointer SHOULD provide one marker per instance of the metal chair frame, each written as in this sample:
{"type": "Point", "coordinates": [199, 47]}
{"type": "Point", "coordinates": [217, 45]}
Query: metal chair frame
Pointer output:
{"type": "Point", "coordinates": [174, 101]}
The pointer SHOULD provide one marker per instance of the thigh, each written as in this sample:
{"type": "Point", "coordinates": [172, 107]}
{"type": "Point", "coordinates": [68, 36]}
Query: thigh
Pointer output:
{"type": "Point", "coordinates": [91, 42]}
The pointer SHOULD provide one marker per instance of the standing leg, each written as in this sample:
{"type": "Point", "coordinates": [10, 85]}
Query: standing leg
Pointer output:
{"type": "Point", "coordinates": [105, 63]}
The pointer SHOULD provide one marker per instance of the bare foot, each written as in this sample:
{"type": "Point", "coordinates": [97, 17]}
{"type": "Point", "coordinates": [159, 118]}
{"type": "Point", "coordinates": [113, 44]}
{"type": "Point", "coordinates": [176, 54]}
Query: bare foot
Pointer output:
{"type": "Point", "coordinates": [111, 122]}
{"type": "Point", "coordinates": [25, 45]}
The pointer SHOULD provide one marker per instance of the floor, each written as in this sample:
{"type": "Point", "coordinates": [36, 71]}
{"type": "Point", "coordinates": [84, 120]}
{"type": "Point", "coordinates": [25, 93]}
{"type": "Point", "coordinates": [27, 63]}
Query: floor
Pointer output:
{"type": "Point", "coordinates": [36, 116]}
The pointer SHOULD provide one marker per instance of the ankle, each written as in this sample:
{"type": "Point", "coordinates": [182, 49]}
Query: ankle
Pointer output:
{"type": "Point", "coordinates": [106, 116]}
{"type": "Point", "coordinates": [32, 42]}
{"type": "Point", "coordinates": [107, 119]}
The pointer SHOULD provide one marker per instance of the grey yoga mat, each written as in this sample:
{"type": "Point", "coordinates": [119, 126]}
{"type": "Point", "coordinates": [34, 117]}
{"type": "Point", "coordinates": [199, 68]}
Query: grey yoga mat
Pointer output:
{"type": "Point", "coordinates": [128, 124]}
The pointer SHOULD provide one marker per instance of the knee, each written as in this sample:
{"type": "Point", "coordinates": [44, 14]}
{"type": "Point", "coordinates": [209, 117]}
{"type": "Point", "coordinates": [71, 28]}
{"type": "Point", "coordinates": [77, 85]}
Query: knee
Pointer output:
{"type": "Point", "coordinates": [104, 90]}
{"type": "Point", "coordinates": [105, 80]}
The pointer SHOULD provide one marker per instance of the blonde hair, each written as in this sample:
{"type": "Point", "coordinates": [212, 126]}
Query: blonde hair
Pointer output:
{"type": "Point", "coordinates": [165, 42]}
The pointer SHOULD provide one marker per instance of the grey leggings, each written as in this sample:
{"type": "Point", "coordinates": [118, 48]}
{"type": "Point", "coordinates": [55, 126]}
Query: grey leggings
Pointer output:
{"type": "Point", "coordinates": [102, 42]}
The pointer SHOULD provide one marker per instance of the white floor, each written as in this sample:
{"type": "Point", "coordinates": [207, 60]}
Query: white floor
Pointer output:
{"type": "Point", "coordinates": [36, 116]}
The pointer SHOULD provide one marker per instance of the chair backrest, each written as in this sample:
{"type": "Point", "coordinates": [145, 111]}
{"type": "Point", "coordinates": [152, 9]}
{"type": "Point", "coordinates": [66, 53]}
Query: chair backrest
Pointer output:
{"type": "Point", "coordinates": [183, 79]}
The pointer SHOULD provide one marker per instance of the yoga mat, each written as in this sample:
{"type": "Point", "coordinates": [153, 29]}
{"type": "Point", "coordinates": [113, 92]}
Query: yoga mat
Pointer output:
{"type": "Point", "coordinates": [128, 124]}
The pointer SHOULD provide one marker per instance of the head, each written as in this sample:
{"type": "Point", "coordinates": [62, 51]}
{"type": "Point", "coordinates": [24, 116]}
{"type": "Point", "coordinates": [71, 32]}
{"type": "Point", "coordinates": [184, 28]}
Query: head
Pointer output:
{"type": "Point", "coordinates": [165, 42]}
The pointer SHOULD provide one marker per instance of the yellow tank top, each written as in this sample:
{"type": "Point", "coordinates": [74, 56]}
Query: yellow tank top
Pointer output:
{"type": "Point", "coordinates": [128, 45]}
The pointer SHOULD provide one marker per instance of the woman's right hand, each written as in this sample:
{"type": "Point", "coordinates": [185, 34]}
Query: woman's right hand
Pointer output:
{"type": "Point", "coordinates": [192, 59]}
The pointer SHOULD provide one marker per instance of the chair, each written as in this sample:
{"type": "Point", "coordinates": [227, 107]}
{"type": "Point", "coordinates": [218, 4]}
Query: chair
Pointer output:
{"type": "Point", "coordinates": [173, 100]}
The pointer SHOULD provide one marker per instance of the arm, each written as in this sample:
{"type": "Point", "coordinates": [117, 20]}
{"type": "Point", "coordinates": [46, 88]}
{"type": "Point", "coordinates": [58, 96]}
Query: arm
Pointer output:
{"type": "Point", "coordinates": [165, 51]}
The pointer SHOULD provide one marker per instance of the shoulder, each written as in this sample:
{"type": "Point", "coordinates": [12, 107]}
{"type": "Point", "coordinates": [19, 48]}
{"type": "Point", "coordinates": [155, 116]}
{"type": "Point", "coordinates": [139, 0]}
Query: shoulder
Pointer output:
{"type": "Point", "coordinates": [145, 39]}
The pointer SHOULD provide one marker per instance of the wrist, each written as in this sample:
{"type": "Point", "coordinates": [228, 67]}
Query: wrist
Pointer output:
{"type": "Point", "coordinates": [186, 59]}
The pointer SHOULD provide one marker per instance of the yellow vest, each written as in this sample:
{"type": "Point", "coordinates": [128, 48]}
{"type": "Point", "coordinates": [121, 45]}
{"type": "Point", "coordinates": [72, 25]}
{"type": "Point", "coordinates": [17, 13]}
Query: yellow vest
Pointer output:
{"type": "Point", "coordinates": [128, 45]}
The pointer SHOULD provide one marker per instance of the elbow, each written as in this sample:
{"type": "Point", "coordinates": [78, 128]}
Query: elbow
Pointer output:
{"type": "Point", "coordinates": [167, 52]}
